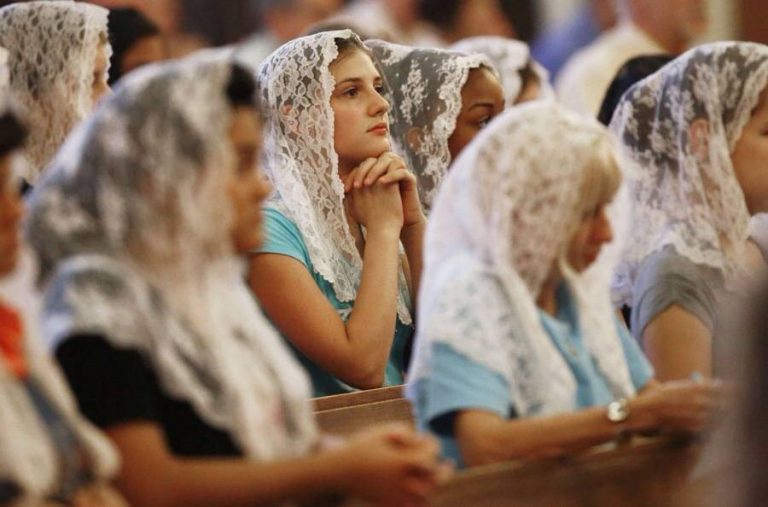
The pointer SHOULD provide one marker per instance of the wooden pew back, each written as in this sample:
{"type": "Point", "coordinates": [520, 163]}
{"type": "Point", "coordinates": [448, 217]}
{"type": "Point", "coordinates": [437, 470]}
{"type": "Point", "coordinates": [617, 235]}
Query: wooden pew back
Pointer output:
{"type": "Point", "coordinates": [357, 398]}
{"type": "Point", "coordinates": [645, 475]}
{"type": "Point", "coordinates": [347, 420]}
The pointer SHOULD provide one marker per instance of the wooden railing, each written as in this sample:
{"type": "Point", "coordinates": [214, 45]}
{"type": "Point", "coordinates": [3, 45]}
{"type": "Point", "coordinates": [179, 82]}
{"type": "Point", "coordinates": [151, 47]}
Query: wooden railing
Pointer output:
{"type": "Point", "coordinates": [357, 398]}
{"type": "Point", "coordinates": [649, 474]}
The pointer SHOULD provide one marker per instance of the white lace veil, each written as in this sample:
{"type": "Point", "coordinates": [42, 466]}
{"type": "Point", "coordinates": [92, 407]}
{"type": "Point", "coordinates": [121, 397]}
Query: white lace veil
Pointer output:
{"type": "Point", "coordinates": [28, 456]}
{"type": "Point", "coordinates": [424, 89]}
{"type": "Point", "coordinates": [302, 165]}
{"type": "Point", "coordinates": [509, 56]}
{"type": "Point", "coordinates": [53, 46]}
{"type": "Point", "coordinates": [690, 201]}
{"type": "Point", "coordinates": [503, 217]}
{"type": "Point", "coordinates": [131, 224]}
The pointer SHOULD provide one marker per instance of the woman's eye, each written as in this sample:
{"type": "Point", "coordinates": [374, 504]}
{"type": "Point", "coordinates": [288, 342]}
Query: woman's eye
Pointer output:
{"type": "Point", "coordinates": [380, 89]}
{"type": "Point", "coordinates": [483, 122]}
{"type": "Point", "coordinates": [351, 92]}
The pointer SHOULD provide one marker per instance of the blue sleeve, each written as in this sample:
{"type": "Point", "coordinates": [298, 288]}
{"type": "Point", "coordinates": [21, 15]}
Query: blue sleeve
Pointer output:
{"type": "Point", "coordinates": [457, 383]}
{"type": "Point", "coordinates": [281, 236]}
{"type": "Point", "coordinates": [639, 368]}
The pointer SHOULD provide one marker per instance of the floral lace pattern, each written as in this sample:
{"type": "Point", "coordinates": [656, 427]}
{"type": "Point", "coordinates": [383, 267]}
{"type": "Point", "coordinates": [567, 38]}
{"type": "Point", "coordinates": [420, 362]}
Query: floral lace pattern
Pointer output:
{"type": "Point", "coordinates": [495, 232]}
{"type": "Point", "coordinates": [689, 199]}
{"type": "Point", "coordinates": [53, 47]}
{"type": "Point", "coordinates": [28, 457]}
{"type": "Point", "coordinates": [135, 245]}
{"type": "Point", "coordinates": [509, 57]}
{"type": "Point", "coordinates": [296, 86]}
{"type": "Point", "coordinates": [424, 90]}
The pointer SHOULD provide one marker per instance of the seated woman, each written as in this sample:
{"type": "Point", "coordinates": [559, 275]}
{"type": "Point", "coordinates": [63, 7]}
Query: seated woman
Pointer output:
{"type": "Point", "coordinates": [59, 55]}
{"type": "Point", "coordinates": [693, 139]}
{"type": "Point", "coordinates": [523, 78]}
{"type": "Point", "coordinates": [136, 41]}
{"type": "Point", "coordinates": [138, 227]}
{"type": "Point", "coordinates": [440, 101]}
{"type": "Point", "coordinates": [49, 454]}
{"type": "Point", "coordinates": [519, 353]}
{"type": "Point", "coordinates": [330, 274]}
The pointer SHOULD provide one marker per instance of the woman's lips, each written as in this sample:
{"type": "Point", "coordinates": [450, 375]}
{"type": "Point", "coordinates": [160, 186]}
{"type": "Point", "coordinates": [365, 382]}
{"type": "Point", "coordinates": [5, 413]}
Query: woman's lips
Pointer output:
{"type": "Point", "coordinates": [379, 128]}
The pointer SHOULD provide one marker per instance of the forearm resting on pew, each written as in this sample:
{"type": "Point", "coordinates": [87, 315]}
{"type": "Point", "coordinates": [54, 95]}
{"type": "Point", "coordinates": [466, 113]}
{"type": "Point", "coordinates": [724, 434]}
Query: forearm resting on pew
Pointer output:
{"type": "Point", "coordinates": [486, 438]}
{"type": "Point", "coordinates": [676, 407]}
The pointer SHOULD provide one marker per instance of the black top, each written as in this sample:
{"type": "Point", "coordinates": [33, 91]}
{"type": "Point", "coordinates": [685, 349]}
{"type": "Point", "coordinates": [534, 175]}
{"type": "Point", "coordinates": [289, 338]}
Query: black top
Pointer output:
{"type": "Point", "coordinates": [115, 386]}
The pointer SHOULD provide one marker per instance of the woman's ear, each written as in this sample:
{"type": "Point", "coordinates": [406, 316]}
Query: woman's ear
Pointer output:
{"type": "Point", "coordinates": [698, 135]}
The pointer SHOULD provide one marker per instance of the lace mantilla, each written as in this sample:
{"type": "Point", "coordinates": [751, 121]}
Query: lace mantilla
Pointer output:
{"type": "Point", "coordinates": [424, 88]}
{"type": "Point", "coordinates": [691, 201]}
{"type": "Point", "coordinates": [53, 47]}
{"type": "Point", "coordinates": [296, 86]}
{"type": "Point", "coordinates": [135, 245]}
{"type": "Point", "coordinates": [495, 232]}
{"type": "Point", "coordinates": [509, 57]}
{"type": "Point", "coordinates": [28, 457]}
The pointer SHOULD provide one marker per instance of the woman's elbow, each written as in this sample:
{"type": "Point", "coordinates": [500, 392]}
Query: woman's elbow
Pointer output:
{"type": "Point", "coordinates": [365, 376]}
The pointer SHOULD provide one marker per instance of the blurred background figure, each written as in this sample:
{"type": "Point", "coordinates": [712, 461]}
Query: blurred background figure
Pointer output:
{"type": "Point", "coordinates": [554, 45]}
{"type": "Point", "coordinates": [393, 20]}
{"type": "Point", "coordinates": [283, 20]}
{"type": "Point", "coordinates": [645, 27]}
{"type": "Point", "coordinates": [458, 19]}
{"type": "Point", "coordinates": [136, 41]}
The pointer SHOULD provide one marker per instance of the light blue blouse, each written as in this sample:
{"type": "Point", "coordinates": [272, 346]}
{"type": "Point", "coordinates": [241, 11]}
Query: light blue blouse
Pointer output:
{"type": "Point", "coordinates": [284, 238]}
{"type": "Point", "coordinates": [457, 383]}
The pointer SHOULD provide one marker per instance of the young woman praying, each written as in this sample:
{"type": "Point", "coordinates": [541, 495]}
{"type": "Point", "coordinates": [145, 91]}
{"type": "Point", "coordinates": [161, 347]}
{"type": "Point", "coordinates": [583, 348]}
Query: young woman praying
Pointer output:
{"type": "Point", "coordinates": [341, 262]}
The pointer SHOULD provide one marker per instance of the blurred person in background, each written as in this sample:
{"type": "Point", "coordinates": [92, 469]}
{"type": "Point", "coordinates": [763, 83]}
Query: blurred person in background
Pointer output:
{"type": "Point", "coordinates": [646, 27]}
{"type": "Point", "coordinates": [58, 60]}
{"type": "Point", "coordinates": [554, 46]}
{"type": "Point", "coordinates": [283, 20]}
{"type": "Point", "coordinates": [459, 19]}
{"type": "Point", "coordinates": [136, 41]}
{"type": "Point", "coordinates": [393, 20]}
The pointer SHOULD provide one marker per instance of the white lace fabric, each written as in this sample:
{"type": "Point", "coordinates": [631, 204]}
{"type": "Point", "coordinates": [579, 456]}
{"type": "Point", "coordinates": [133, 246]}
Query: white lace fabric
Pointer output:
{"type": "Point", "coordinates": [424, 91]}
{"type": "Point", "coordinates": [504, 213]}
{"type": "Point", "coordinates": [296, 85]}
{"type": "Point", "coordinates": [509, 57]}
{"type": "Point", "coordinates": [680, 198]}
{"type": "Point", "coordinates": [132, 229]}
{"type": "Point", "coordinates": [28, 456]}
{"type": "Point", "coordinates": [53, 47]}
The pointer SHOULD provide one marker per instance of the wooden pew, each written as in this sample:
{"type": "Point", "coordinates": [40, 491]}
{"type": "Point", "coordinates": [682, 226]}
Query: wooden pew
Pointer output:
{"type": "Point", "coordinates": [649, 474]}
{"type": "Point", "coordinates": [357, 398]}
{"type": "Point", "coordinates": [349, 419]}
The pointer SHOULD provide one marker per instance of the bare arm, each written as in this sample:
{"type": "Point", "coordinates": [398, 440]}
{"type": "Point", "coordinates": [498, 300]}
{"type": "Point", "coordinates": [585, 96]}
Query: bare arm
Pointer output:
{"type": "Point", "coordinates": [678, 344]}
{"type": "Point", "coordinates": [357, 351]}
{"type": "Point", "coordinates": [412, 238]}
{"type": "Point", "coordinates": [485, 437]}
{"type": "Point", "coordinates": [391, 464]}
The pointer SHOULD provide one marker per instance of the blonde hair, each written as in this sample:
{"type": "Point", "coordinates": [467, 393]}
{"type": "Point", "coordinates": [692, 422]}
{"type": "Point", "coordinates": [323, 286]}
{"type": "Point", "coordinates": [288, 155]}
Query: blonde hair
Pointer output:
{"type": "Point", "coordinates": [601, 179]}
{"type": "Point", "coordinates": [602, 176]}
